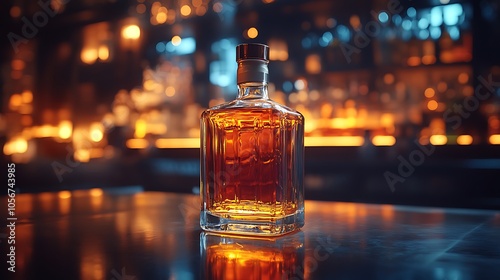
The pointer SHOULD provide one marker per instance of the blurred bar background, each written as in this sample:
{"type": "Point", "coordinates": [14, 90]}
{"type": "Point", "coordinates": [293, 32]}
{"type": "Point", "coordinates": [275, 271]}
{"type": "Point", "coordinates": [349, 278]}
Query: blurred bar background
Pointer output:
{"type": "Point", "coordinates": [401, 98]}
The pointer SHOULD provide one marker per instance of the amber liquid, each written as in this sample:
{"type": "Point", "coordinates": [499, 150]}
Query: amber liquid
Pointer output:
{"type": "Point", "coordinates": [252, 161]}
{"type": "Point", "coordinates": [233, 257]}
{"type": "Point", "coordinates": [235, 261]}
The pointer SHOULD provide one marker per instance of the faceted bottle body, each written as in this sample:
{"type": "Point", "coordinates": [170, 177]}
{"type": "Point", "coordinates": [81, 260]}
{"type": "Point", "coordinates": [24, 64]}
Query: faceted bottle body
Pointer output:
{"type": "Point", "coordinates": [252, 157]}
{"type": "Point", "coordinates": [252, 168]}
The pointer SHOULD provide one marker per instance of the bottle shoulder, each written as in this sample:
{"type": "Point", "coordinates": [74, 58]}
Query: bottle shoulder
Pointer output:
{"type": "Point", "coordinates": [254, 105]}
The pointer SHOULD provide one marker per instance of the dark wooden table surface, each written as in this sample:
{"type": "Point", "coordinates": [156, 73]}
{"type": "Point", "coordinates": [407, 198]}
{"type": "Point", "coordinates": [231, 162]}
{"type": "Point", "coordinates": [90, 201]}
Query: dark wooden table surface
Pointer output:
{"type": "Point", "coordinates": [125, 235]}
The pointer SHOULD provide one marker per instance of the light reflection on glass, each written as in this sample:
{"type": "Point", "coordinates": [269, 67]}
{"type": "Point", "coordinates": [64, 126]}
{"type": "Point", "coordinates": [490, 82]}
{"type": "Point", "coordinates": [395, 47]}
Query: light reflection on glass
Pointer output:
{"type": "Point", "coordinates": [237, 257]}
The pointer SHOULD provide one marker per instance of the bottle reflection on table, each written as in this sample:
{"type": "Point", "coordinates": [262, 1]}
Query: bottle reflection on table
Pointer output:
{"type": "Point", "coordinates": [240, 257]}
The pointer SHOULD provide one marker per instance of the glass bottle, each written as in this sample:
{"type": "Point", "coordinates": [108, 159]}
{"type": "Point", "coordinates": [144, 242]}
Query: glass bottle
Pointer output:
{"type": "Point", "coordinates": [250, 257]}
{"type": "Point", "coordinates": [252, 157]}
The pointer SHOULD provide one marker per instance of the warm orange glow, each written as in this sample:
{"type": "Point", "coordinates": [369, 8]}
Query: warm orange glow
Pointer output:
{"type": "Point", "coordinates": [242, 260]}
{"type": "Point", "coordinates": [355, 21]}
{"type": "Point", "coordinates": [166, 143]}
{"type": "Point", "coordinates": [389, 79]}
{"type": "Point", "coordinates": [384, 140]}
{"type": "Point", "coordinates": [45, 131]}
{"type": "Point", "coordinates": [197, 3]}
{"type": "Point", "coordinates": [121, 114]}
{"type": "Point", "coordinates": [464, 140]}
{"type": "Point", "coordinates": [201, 10]}
{"type": "Point", "coordinates": [170, 91]}
{"type": "Point", "coordinates": [432, 105]}
{"type": "Point", "coordinates": [363, 89]}
{"type": "Point", "coordinates": [16, 75]}
{"type": "Point", "coordinates": [424, 140]}
{"type": "Point", "coordinates": [442, 86]}
{"type": "Point", "coordinates": [27, 96]}
{"type": "Point", "coordinates": [494, 122]}
{"type": "Point", "coordinates": [463, 78]}
{"type": "Point", "coordinates": [428, 59]}
{"type": "Point", "coordinates": [413, 61]}
{"type": "Point", "coordinates": [429, 92]}
{"type": "Point", "coordinates": [326, 141]}
{"type": "Point", "coordinates": [15, 11]}
{"type": "Point", "coordinates": [17, 145]}
{"type": "Point", "coordinates": [26, 120]}
{"type": "Point", "coordinates": [161, 17]}
{"type": "Point", "coordinates": [140, 9]}
{"type": "Point", "coordinates": [96, 192]}
{"type": "Point", "coordinates": [149, 85]}
{"type": "Point", "coordinates": [15, 101]}
{"type": "Point", "coordinates": [65, 129]}
{"type": "Point", "coordinates": [96, 153]}
{"type": "Point", "coordinates": [438, 140]}
{"type": "Point", "coordinates": [140, 128]}
{"type": "Point", "coordinates": [17, 64]}
{"type": "Point", "coordinates": [89, 55]}
{"type": "Point", "coordinates": [185, 10]}
{"type": "Point", "coordinates": [131, 32]}
{"type": "Point", "coordinates": [176, 40]}
{"type": "Point", "coordinates": [82, 155]}
{"type": "Point", "coordinates": [468, 91]}
{"type": "Point", "coordinates": [137, 143]}
{"type": "Point", "coordinates": [64, 194]}
{"type": "Point", "coordinates": [157, 128]}
{"type": "Point", "coordinates": [96, 132]}
{"type": "Point", "coordinates": [252, 32]}
{"type": "Point", "coordinates": [313, 64]}
{"type": "Point", "coordinates": [155, 7]}
{"type": "Point", "coordinates": [342, 123]}
{"type": "Point", "coordinates": [494, 139]}
{"type": "Point", "coordinates": [278, 50]}
{"type": "Point", "coordinates": [387, 120]}
{"type": "Point", "coordinates": [387, 212]}
{"type": "Point", "coordinates": [103, 53]}
{"type": "Point", "coordinates": [25, 109]}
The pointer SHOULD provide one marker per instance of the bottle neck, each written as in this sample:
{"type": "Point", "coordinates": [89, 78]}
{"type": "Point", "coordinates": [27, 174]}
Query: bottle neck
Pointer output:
{"type": "Point", "coordinates": [252, 79]}
{"type": "Point", "coordinates": [252, 90]}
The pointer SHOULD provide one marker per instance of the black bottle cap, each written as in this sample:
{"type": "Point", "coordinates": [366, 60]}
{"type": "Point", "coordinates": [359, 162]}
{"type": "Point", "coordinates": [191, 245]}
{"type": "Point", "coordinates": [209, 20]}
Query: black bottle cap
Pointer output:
{"type": "Point", "coordinates": [252, 51]}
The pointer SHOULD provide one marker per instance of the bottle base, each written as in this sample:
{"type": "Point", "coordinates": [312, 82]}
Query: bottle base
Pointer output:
{"type": "Point", "coordinates": [278, 226]}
